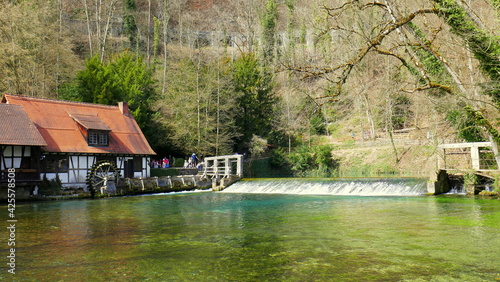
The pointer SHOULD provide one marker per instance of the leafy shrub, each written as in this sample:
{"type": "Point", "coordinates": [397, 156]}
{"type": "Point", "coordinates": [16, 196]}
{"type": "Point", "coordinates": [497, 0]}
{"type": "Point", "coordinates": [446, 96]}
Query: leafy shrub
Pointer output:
{"type": "Point", "coordinates": [323, 156]}
{"type": "Point", "coordinates": [278, 158]}
{"type": "Point", "coordinates": [496, 184]}
{"type": "Point", "coordinates": [466, 126]}
{"type": "Point", "coordinates": [301, 160]}
{"type": "Point", "coordinates": [258, 146]}
{"type": "Point", "coordinates": [316, 161]}
{"type": "Point", "coordinates": [179, 162]}
{"type": "Point", "coordinates": [471, 178]}
{"type": "Point", "coordinates": [50, 187]}
{"type": "Point", "coordinates": [164, 172]}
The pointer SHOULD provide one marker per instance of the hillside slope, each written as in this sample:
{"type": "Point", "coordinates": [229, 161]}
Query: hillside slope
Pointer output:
{"type": "Point", "coordinates": [380, 160]}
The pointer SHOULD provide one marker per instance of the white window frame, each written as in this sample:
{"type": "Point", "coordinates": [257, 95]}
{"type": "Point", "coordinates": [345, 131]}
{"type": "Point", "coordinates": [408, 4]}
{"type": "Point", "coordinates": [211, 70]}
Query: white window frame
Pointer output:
{"type": "Point", "coordinates": [98, 138]}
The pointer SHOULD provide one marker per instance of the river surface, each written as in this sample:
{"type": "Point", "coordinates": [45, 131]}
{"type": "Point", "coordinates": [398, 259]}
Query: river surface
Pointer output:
{"type": "Point", "coordinates": [271, 235]}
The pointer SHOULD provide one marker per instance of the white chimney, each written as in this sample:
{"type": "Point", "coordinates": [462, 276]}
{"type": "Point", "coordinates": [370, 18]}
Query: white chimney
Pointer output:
{"type": "Point", "coordinates": [124, 108]}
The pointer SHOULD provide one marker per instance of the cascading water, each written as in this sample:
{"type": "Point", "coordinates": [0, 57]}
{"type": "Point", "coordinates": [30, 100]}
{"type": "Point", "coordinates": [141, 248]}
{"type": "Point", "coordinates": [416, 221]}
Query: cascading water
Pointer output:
{"type": "Point", "coordinates": [344, 187]}
{"type": "Point", "coordinates": [457, 188]}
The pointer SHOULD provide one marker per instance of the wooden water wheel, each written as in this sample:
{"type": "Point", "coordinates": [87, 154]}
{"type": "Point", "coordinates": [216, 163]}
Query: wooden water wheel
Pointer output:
{"type": "Point", "coordinates": [99, 176]}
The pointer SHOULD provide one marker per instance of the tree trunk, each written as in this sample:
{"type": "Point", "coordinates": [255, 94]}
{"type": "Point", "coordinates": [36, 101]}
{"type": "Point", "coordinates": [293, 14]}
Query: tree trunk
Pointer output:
{"type": "Point", "coordinates": [148, 35]}
{"type": "Point", "coordinates": [104, 36]}
{"type": "Point", "coordinates": [369, 116]}
{"type": "Point", "coordinates": [217, 134]}
{"type": "Point", "coordinates": [89, 27]}
{"type": "Point", "coordinates": [198, 102]}
{"type": "Point", "coordinates": [166, 18]}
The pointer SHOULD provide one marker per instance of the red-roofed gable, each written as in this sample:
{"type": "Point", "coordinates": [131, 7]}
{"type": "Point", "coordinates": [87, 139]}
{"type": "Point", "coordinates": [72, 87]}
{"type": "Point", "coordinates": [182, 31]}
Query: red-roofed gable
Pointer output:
{"type": "Point", "coordinates": [60, 123]}
{"type": "Point", "coordinates": [16, 128]}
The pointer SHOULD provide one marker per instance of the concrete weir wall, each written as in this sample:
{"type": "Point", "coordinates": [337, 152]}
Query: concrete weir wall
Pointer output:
{"type": "Point", "coordinates": [180, 181]}
{"type": "Point", "coordinates": [223, 183]}
{"type": "Point", "coordinates": [167, 183]}
{"type": "Point", "coordinates": [473, 183]}
{"type": "Point", "coordinates": [131, 186]}
{"type": "Point", "coordinates": [438, 183]}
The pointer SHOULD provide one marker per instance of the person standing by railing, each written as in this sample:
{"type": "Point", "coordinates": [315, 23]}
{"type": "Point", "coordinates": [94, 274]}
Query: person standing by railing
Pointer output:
{"type": "Point", "coordinates": [194, 160]}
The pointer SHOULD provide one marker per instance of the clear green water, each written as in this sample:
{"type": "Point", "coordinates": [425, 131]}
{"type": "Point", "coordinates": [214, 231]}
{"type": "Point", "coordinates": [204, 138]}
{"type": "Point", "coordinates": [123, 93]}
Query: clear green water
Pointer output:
{"type": "Point", "coordinates": [259, 237]}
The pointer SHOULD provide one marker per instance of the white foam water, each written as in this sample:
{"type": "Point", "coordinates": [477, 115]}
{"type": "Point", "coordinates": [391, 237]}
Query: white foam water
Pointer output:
{"type": "Point", "coordinates": [344, 187]}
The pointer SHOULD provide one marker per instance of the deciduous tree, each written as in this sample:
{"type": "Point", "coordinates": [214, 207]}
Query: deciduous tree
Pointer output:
{"type": "Point", "coordinates": [35, 49]}
{"type": "Point", "coordinates": [413, 35]}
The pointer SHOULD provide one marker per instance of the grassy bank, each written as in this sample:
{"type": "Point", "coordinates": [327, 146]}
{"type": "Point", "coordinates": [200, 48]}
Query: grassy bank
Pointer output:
{"type": "Point", "coordinates": [348, 160]}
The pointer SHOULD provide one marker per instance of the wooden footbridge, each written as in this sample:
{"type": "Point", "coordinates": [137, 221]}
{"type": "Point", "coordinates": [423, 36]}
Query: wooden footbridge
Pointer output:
{"type": "Point", "coordinates": [223, 170]}
{"type": "Point", "coordinates": [223, 166]}
{"type": "Point", "coordinates": [476, 156]}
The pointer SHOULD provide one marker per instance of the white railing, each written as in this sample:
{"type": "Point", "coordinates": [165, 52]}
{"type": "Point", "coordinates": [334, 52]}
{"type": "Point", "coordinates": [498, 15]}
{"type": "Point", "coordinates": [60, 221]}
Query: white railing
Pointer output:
{"type": "Point", "coordinates": [223, 166]}
{"type": "Point", "coordinates": [473, 153]}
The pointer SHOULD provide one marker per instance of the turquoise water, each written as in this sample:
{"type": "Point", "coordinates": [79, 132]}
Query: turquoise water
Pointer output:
{"type": "Point", "coordinates": [208, 236]}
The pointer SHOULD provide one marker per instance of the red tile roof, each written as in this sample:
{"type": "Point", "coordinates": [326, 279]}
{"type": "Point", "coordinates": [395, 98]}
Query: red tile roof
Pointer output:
{"type": "Point", "coordinates": [16, 127]}
{"type": "Point", "coordinates": [57, 121]}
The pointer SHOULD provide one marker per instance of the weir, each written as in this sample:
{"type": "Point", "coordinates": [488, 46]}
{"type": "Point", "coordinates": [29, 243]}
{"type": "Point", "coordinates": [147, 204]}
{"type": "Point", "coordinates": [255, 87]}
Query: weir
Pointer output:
{"type": "Point", "coordinates": [341, 187]}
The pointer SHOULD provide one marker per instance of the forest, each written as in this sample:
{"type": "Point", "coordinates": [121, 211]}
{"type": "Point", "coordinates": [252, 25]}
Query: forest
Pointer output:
{"type": "Point", "coordinates": [284, 78]}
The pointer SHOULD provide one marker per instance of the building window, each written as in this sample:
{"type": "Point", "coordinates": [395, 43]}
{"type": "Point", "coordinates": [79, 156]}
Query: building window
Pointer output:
{"type": "Point", "coordinates": [98, 138]}
{"type": "Point", "coordinates": [93, 138]}
{"type": "Point", "coordinates": [103, 139]}
{"type": "Point", "coordinates": [55, 163]}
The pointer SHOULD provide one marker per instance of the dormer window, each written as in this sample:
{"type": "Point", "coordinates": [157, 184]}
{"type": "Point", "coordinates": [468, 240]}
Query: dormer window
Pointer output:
{"type": "Point", "coordinates": [93, 129]}
{"type": "Point", "coordinates": [98, 138]}
{"type": "Point", "coordinates": [103, 139]}
{"type": "Point", "coordinates": [93, 138]}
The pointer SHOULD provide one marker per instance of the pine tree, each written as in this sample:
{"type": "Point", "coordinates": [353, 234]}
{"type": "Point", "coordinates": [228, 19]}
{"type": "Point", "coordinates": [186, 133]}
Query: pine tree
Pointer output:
{"type": "Point", "coordinates": [255, 92]}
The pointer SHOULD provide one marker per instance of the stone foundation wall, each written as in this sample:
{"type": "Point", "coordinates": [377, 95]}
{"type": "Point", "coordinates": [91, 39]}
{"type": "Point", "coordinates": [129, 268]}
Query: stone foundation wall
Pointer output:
{"type": "Point", "coordinates": [438, 183]}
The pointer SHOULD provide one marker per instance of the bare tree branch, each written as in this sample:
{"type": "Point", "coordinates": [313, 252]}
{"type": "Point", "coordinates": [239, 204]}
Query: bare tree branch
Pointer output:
{"type": "Point", "coordinates": [345, 69]}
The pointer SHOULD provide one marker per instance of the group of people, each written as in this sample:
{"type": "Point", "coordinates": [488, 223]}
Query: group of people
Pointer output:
{"type": "Point", "coordinates": [163, 163]}
{"type": "Point", "coordinates": [190, 162]}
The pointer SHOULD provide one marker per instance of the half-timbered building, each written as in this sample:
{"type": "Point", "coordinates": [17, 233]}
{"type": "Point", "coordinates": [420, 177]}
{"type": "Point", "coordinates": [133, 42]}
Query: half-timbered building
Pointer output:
{"type": "Point", "coordinates": [55, 138]}
{"type": "Point", "coordinates": [20, 146]}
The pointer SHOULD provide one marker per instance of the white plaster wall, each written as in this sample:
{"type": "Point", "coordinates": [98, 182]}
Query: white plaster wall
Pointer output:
{"type": "Point", "coordinates": [63, 176]}
{"type": "Point", "coordinates": [78, 167]}
{"type": "Point", "coordinates": [76, 176]}
{"type": "Point", "coordinates": [17, 152]}
{"type": "Point", "coordinates": [81, 161]}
